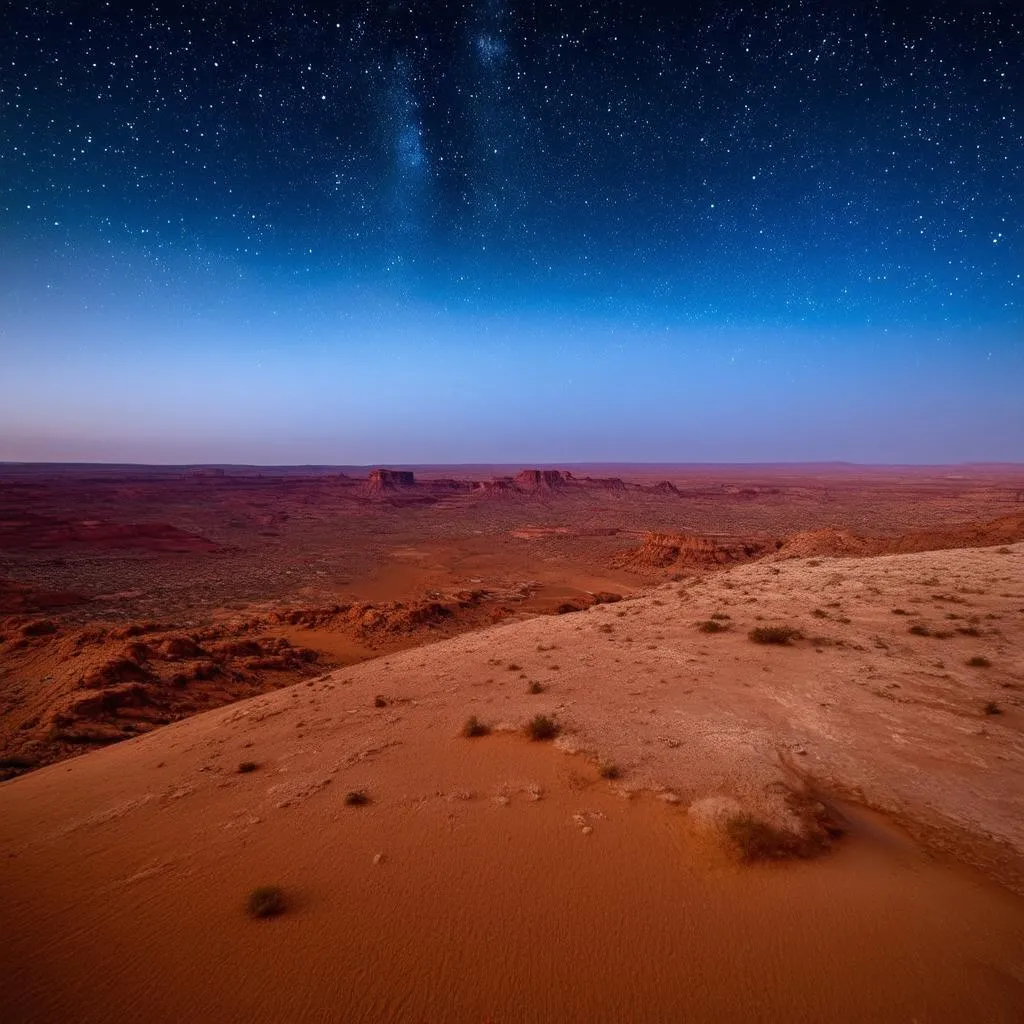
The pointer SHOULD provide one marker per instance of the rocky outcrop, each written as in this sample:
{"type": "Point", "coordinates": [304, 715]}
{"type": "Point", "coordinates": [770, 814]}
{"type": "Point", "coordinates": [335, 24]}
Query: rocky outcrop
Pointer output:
{"type": "Point", "coordinates": [691, 552]}
{"type": "Point", "coordinates": [844, 543]}
{"type": "Point", "coordinates": [664, 487]}
{"type": "Point", "coordinates": [390, 479]}
{"type": "Point", "coordinates": [542, 479]}
{"type": "Point", "coordinates": [605, 483]}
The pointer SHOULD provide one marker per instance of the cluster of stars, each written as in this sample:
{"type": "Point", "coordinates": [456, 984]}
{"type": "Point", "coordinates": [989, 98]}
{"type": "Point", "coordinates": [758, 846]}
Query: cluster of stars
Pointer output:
{"type": "Point", "coordinates": [785, 162]}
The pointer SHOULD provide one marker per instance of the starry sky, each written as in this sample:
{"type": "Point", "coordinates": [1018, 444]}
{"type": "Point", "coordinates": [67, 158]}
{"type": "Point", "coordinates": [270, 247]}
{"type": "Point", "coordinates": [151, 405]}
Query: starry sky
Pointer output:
{"type": "Point", "coordinates": [482, 231]}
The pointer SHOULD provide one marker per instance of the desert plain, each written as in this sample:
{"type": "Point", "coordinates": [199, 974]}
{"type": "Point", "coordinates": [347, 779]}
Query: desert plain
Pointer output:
{"type": "Point", "coordinates": [509, 743]}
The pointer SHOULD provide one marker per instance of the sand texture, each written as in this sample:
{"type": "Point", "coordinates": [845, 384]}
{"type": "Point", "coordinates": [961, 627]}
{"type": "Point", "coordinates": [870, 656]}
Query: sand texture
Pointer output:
{"type": "Point", "coordinates": [506, 880]}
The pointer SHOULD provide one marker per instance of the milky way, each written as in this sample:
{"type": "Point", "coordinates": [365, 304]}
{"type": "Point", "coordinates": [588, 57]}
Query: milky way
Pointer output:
{"type": "Point", "coordinates": [801, 166]}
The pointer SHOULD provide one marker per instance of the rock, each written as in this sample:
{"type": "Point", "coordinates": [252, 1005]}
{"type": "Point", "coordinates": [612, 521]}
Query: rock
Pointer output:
{"type": "Point", "coordinates": [176, 648]}
{"type": "Point", "coordinates": [542, 479]}
{"type": "Point", "coordinates": [390, 479]}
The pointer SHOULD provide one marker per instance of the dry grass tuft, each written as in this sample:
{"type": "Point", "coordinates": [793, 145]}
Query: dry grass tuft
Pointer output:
{"type": "Point", "coordinates": [774, 634]}
{"type": "Point", "coordinates": [542, 727]}
{"type": "Point", "coordinates": [754, 839]}
{"type": "Point", "coordinates": [711, 626]}
{"type": "Point", "coordinates": [266, 901]}
{"type": "Point", "coordinates": [473, 727]}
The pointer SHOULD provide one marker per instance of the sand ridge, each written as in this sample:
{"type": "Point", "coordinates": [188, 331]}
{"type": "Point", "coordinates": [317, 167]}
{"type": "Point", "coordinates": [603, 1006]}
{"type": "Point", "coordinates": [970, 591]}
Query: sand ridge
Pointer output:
{"type": "Point", "coordinates": [467, 888]}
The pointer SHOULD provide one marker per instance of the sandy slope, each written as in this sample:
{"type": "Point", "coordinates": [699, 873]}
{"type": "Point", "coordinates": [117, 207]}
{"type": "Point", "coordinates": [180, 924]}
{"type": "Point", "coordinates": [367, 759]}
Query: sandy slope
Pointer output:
{"type": "Point", "coordinates": [499, 879]}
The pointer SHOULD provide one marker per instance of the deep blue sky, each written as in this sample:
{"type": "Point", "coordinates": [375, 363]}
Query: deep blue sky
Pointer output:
{"type": "Point", "coordinates": [482, 231]}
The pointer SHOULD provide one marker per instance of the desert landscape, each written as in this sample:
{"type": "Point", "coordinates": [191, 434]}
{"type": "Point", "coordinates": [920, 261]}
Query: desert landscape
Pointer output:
{"type": "Point", "coordinates": [512, 513]}
{"type": "Point", "coordinates": [502, 743]}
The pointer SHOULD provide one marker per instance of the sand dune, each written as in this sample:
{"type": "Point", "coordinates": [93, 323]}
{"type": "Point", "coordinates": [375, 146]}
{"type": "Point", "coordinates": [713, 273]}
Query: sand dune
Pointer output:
{"type": "Point", "coordinates": [500, 879]}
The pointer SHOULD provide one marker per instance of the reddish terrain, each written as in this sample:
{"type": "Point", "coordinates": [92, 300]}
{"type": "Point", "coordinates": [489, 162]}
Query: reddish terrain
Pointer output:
{"type": "Point", "coordinates": [786, 783]}
{"type": "Point", "coordinates": [134, 596]}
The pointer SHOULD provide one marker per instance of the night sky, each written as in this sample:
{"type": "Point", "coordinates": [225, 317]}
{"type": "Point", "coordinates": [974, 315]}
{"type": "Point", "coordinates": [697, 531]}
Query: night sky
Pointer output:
{"type": "Point", "coordinates": [500, 232]}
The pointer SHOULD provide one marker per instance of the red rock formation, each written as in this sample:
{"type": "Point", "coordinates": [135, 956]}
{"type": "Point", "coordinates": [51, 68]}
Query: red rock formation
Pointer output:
{"type": "Point", "coordinates": [605, 483]}
{"type": "Point", "coordinates": [690, 551]}
{"type": "Point", "coordinates": [390, 479]}
{"type": "Point", "coordinates": [837, 543]}
{"type": "Point", "coordinates": [542, 479]}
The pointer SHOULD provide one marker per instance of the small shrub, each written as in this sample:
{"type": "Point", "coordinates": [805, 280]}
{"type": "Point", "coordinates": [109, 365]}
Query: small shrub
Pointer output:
{"type": "Point", "coordinates": [473, 727]}
{"type": "Point", "coordinates": [754, 839]}
{"type": "Point", "coordinates": [919, 630]}
{"type": "Point", "coordinates": [711, 626]}
{"type": "Point", "coordinates": [247, 766]}
{"type": "Point", "coordinates": [357, 798]}
{"type": "Point", "coordinates": [992, 708]}
{"type": "Point", "coordinates": [542, 727]}
{"type": "Point", "coordinates": [266, 901]}
{"type": "Point", "coordinates": [608, 770]}
{"type": "Point", "coordinates": [535, 687]}
{"type": "Point", "coordinates": [979, 661]}
{"type": "Point", "coordinates": [774, 634]}
{"type": "Point", "coordinates": [379, 701]}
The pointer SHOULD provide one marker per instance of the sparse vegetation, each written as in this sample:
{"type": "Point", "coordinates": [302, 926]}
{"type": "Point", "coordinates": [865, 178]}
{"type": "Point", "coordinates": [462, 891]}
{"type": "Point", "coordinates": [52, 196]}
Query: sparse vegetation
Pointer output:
{"type": "Point", "coordinates": [542, 727]}
{"type": "Point", "coordinates": [608, 770]}
{"type": "Point", "coordinates": [266, 901]}
{"type": "Point", "coordinates": [473, 727]}
{"type": "Point", "coordinates": [754, 839]}
{"type": "Point", "coordinates": [357, 798]}
{"type": "Point", "coordinates": [711, 626]}
{"type": "Point", "coordinates": [247, 766]}
{"type": "Point", "coordinates": [774, 634]}
{"type": "Point", "coordinates": [979, 661]}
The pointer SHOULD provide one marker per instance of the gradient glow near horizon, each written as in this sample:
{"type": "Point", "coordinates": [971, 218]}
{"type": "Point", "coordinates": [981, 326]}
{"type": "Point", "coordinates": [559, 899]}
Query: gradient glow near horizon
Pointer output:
{"type": "Point", "coordinates": [508, 232]}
